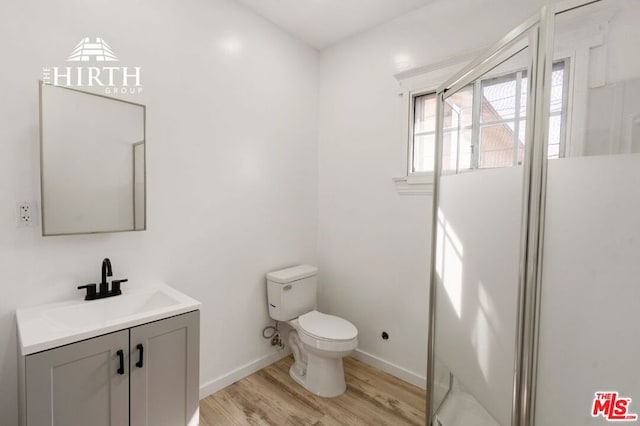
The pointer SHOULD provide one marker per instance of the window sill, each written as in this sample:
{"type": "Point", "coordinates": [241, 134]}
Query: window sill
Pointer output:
{"type": "Point", "coordinates": [414, 185]}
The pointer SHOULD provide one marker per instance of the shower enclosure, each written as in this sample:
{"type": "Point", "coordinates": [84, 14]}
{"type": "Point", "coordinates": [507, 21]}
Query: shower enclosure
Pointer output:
{"type": "Point", "coordinates": [534, 315]}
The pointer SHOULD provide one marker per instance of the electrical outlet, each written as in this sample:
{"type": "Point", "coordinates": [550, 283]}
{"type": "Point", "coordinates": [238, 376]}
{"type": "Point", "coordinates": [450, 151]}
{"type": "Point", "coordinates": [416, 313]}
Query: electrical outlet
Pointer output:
{"type": "Point", "coordinates": [27, 214]}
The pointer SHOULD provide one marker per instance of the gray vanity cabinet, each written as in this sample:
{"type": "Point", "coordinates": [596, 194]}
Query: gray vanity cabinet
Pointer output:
{"type": "Point", "coordinates": [78, 384]}
{"type": "Point", "coordinates": [86, 383]}
{"type": "Point", "coordinates": [164, 372]}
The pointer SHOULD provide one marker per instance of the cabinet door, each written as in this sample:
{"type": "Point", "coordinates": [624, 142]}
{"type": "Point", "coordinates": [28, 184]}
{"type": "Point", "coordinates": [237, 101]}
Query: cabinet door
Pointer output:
{"type": "Point", "coordinates": [79, 384]}
{"type": "Point", "coordinates": [164, 386]}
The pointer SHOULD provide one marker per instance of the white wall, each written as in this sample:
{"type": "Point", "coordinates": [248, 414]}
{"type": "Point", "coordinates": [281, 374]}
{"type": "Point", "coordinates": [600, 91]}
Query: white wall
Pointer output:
{"type": "Point", "coordinates": [373, 243]}
{"type": "Point", "coordinates": [232, 176]}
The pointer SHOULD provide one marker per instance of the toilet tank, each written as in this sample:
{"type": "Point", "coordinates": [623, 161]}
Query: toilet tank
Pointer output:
{"type": "Point", "coordinates": [291, 292]}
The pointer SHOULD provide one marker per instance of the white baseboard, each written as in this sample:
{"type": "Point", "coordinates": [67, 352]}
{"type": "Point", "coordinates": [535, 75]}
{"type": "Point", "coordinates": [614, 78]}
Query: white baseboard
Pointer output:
{"type": "Point", "coordinates": [391, 368]}
{"type": "Point", "coordinates": [249, 368]}
{"type": "Point", "coordinates": [241, 372]}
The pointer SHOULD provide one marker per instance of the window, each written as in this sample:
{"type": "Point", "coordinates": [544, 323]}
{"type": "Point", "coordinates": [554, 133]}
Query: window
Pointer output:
{"type": "Point", "coordinates": [484, 123]}
{"type": "Point", "coordinates": [424, 133]}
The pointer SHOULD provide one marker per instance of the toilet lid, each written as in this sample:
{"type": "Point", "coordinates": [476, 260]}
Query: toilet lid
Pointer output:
{"type": "Point", "coordinates": [324, 326]}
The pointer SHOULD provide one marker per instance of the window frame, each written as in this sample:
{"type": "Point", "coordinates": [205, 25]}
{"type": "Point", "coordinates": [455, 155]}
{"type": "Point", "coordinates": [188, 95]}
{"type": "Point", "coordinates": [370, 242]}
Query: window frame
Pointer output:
{"type": "Point", "coordinates": [412, 82]}
{"type": "Point", "coordinates": [423, 175]}
{"type": "Point", "coordinates": [517, 117]}
{"type": "Point", "coordinates": [477, 124]}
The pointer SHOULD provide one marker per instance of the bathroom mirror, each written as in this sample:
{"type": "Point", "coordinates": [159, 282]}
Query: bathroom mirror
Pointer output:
{"type": "Point", "coordinates": [92, 163]}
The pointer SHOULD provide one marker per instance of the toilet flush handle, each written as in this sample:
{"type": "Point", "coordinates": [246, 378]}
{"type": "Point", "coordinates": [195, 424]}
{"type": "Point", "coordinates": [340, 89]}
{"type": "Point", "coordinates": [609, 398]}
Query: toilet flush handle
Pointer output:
{"type": "Point", "coordinates": [287, 287]}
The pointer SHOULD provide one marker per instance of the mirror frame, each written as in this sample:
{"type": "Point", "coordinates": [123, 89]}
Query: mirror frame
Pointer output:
{"type": "Point", "coordinates": [41, 145]}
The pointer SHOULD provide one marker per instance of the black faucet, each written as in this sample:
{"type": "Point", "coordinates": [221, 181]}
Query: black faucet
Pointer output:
{"type": "Point", "coordinates": [104, 284]}
{"type": "Point", "coordinates": [106, 272]}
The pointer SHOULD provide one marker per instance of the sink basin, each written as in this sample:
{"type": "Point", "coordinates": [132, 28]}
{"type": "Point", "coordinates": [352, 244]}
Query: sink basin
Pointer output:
{"type": "Point", "coordinates": [48, 326]}
{"type": "Point", "coordinates": [105, 310]}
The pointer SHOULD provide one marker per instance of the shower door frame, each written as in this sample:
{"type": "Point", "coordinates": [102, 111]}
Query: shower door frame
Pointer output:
{"type": "Point", "coordinates": [540, 31]}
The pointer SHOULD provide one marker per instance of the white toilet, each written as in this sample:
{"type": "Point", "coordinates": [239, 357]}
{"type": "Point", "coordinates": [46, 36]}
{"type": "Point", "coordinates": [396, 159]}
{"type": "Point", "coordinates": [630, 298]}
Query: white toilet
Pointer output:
{"type": "Point", "coordinates": [318, 341]}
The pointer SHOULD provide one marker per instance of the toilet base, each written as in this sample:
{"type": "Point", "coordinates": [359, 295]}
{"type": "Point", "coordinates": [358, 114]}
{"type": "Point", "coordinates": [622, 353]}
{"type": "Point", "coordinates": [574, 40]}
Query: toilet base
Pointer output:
{"type": "Point", "coordinates": [318, 362]}
{"type": "Point", "coordinates": [323, 376]}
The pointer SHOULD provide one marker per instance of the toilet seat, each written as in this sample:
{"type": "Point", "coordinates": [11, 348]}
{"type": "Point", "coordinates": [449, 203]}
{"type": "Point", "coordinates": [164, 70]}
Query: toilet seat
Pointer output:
{"type": "Point", "coordinates": [327, 327]}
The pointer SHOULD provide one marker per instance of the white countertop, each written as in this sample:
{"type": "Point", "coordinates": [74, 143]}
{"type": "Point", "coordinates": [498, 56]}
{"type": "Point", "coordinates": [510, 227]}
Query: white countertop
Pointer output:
{"type": "Point", "coordinates": [48, 326]}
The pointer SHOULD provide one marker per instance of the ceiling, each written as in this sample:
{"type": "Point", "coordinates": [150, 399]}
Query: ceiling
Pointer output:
{"type": "Point", "coordinates": [321, 23]}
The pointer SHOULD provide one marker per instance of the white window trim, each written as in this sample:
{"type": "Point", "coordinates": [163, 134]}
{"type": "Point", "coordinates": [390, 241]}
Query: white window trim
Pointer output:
{"type": "Point", "coordinates": [415, 185]}
{"type": "Point", "coordinates": [412, 95]}
{"type": "Point", "coordinates": [428, 78]}
{"type": "Point", "coordinates": [412, 183]}
{"type": "Point", "coordinates": [416, 82]}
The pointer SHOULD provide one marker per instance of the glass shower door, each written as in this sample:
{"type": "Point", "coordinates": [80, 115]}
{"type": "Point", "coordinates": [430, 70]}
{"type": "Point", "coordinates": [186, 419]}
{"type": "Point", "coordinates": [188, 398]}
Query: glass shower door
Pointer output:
{"type": "Point", "coordinates": [475, 281]}
{"type": "Point", "coordinates": [589, 332]}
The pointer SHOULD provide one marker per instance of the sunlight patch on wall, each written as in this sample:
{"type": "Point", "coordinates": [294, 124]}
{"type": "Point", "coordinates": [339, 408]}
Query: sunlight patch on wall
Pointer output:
{"type": "Point", "coordinates": [449, 262]}
{"type": "Point", "coordinates": [483, 337]}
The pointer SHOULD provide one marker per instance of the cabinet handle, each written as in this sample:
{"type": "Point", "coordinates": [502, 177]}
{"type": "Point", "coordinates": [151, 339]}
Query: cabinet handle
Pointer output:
{"type": "Point", "coordinates": [120, 354]}
{"type": "Point", "coordinates": [140, 354]}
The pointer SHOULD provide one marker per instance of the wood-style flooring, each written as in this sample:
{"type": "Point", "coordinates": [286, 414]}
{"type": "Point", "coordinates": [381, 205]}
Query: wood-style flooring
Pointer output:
{"type": "Point", "coordinates": [271, 397]}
